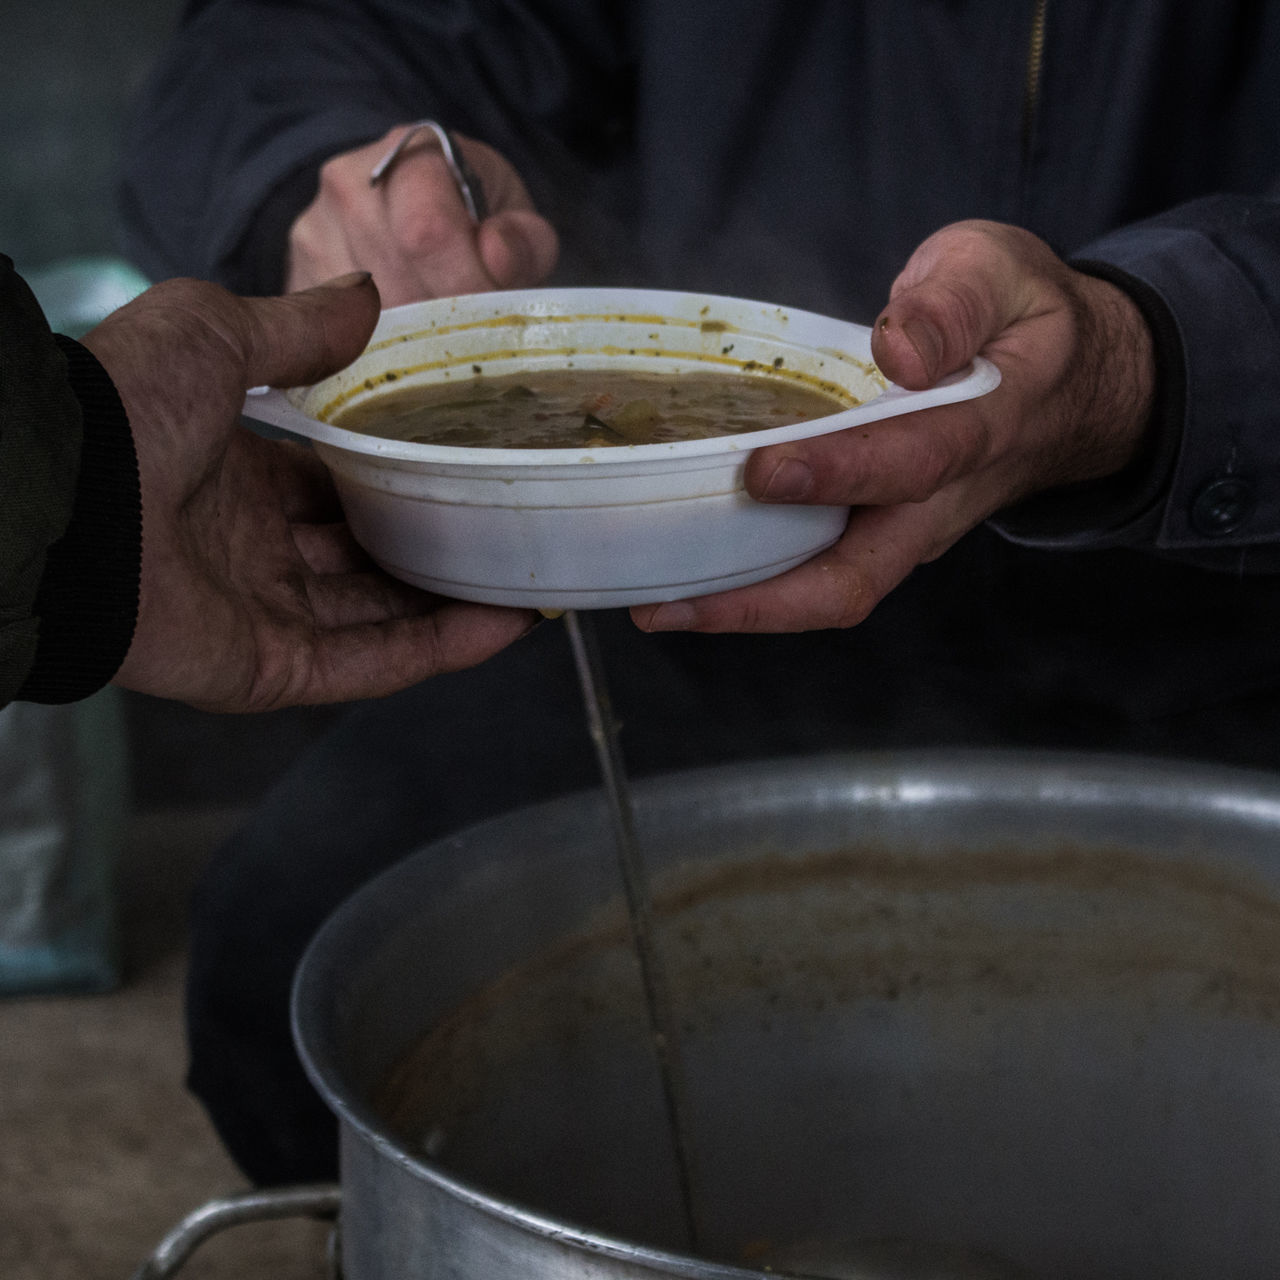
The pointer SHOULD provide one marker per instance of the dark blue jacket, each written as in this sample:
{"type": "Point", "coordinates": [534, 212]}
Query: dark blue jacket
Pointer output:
{"type": "Point", "coordinates": [793, 151]}
{"type": "Point", "coordinates": [796, 151]}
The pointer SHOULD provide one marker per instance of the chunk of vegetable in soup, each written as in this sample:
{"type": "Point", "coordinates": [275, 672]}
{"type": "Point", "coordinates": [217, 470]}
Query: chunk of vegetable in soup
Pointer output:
{"type": "Point", "coordinates": [576, 408]}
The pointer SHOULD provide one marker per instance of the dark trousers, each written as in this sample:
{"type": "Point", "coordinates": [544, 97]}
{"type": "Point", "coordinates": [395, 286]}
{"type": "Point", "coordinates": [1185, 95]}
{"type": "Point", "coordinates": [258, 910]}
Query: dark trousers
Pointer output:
{"type": "Point", "coordinates": [992, 645]}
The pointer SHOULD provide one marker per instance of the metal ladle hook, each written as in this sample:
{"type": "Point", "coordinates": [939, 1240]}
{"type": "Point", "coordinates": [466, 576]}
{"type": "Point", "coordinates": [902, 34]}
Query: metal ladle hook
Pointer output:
{"type": "Point", "coordinates": [468, 184]}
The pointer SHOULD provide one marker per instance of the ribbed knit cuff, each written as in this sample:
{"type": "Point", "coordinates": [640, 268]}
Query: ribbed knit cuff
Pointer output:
{"type": "Point", "coordinates": [87, 602]}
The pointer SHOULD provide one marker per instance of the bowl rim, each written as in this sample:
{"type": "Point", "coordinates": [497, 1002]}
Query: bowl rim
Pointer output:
{"type": "Point", "coordinates": [277, 407]}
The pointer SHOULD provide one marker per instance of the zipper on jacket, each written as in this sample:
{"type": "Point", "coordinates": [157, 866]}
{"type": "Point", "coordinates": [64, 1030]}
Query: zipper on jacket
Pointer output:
{"type": "Point", "coordinates": [1031, 88]}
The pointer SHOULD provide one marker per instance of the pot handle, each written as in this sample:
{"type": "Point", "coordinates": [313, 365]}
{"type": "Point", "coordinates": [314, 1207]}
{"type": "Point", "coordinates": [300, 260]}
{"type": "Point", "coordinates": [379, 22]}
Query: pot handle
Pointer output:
{"type": "Point", "coordinates": [316, 1200]}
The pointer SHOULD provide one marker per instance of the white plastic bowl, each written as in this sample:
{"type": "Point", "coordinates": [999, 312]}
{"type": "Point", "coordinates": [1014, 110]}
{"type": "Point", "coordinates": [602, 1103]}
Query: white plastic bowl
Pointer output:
{"type": "Point", "coordinates": [564, 529]}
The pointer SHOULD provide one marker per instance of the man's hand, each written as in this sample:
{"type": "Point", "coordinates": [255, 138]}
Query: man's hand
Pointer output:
{"type": "Point", "coordinates": [254, 595]}
{"type": "Point", "coordinates": [412, 230]}
{"type": "Point", "coordinates": [1077, 370]}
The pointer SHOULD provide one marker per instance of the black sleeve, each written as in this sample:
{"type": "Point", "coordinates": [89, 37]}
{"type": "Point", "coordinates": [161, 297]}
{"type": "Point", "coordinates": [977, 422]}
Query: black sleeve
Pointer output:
{"type": "Point", "coordinates": [70, 524]}
{"type": "Point", "coordinates": [87, 603]}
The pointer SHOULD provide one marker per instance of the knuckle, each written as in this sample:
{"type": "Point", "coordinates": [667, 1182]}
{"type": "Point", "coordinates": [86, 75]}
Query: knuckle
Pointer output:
{"type": "Point", "coordinates": [750, 618]}
{"type": "Point", "coordinates": [855, 608]}
{"type": "Point", "coordinates": [421, 230]}
{"type": "Point", "coordinates": [305, 237]}
{"type": "Point", "coordinates": [333, 180]}
{"type": "Point", "coordinates": [847, 597]}
{"type": "Point", "coordinates": [931, 468]}
{"type": "Point", "coordinates": [960, 310]}
{"type": "Point", "coordinates": [944, 455]}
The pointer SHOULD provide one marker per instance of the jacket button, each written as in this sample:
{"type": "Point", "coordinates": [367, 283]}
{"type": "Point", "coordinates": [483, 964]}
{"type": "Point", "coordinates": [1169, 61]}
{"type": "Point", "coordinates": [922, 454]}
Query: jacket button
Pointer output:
{"type": "Point", "coordinates": [1222, 506]}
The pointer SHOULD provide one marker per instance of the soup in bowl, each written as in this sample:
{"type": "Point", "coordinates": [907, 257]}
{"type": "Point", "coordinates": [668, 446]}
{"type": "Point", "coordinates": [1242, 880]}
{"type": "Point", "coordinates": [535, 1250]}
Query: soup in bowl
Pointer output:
{"type": "Point", "coordinates": [584, 448]}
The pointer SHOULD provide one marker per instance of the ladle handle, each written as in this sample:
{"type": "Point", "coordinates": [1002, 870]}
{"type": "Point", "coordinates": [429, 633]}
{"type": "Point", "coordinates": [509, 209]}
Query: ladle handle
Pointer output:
{"type": "Point", "coordinates": [317, 1200]}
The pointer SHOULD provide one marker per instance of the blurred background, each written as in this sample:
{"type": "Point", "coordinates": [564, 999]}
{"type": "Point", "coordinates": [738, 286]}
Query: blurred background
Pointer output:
{"type": "Point", "coordinates": [107, 809]}
{"type": "Point", "coordinates": [72, 70]}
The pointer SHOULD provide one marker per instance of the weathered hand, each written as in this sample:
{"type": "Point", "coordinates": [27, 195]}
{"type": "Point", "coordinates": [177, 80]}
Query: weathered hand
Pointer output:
{"type": "Point", "coordinates": [1077, 370]}
{"type": "Point", "coordinates": [254, 595]}
{"type": "Point", "coordinates": [412, 230]}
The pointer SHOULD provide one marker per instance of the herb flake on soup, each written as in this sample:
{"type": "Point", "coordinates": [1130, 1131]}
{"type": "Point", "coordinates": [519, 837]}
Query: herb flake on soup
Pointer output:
{"type": "Point", "coordinates": [577, 408]}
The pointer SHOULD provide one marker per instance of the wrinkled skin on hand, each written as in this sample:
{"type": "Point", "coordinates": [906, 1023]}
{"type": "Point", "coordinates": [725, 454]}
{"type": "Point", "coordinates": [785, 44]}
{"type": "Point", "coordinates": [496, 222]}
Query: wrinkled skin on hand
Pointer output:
{"type": "Point", "coordinates": [1077, 369]}
{"type": "Point", "coordinates": [412, 230]}
{"type": "Point", "coordinates": [254, 595]}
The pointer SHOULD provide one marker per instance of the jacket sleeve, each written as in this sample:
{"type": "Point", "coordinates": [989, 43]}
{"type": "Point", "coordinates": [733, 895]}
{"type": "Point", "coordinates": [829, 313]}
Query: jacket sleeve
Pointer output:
{"type": "Point", "coordinates": [252, 96]}
{"type": "Point", "coordinates": [70, 511]}
{"type": "Point", "coordinates": [1207, 277]}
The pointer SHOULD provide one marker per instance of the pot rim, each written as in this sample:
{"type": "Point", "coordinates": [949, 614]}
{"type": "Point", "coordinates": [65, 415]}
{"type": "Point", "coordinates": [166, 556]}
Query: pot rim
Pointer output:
{"type": "Point", "coordinates": [1087, 779]}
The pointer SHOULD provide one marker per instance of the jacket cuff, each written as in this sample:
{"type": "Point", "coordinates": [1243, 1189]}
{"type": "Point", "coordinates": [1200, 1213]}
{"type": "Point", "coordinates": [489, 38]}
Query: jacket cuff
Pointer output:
{"type": "Point", "coordinates": [1123, 509]}
{"type": "Point", "coordinates": [87, 603]}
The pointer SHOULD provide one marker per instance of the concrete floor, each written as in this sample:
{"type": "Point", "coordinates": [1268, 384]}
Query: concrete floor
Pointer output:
{"type": "Point", "coordinates": [102, 1150]}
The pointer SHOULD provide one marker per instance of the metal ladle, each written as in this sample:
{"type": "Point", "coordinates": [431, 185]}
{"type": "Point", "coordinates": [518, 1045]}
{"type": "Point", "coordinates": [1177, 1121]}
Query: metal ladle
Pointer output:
{"type": "Point", "coordinates": [465, 180]}
{"type": "Point", "coordinates": [603, 728]}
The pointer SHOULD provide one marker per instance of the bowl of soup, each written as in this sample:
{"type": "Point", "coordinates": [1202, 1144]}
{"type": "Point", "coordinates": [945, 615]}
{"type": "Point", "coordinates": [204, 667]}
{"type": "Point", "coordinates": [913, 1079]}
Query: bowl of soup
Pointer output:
{"type": "Point", "coordinates": [584, 448]}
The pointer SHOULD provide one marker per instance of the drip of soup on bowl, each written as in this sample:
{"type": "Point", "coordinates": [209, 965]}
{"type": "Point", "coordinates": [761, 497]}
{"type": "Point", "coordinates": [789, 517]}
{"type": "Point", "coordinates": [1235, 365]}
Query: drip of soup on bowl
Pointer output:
{"type": "Point", "coordinates": [592, 408]}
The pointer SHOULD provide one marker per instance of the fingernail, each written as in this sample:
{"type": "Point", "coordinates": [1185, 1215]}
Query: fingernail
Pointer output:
{"type": "Point", "coordinates": [349, 281]}
{"type": "Point", "coordinates": [792, 481]}
{"type": "Point", "coordinates": [928, 345]}
{"type": "Point", "coordinates": [679, 615]}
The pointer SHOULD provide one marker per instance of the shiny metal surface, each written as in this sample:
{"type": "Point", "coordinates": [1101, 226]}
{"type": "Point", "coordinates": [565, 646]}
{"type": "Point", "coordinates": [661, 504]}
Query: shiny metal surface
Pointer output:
{"type": "Point", "coordinates": [469, 188]}
{"type": "Point", "coordinates": [664, 1033]}
{"type": "Point", "coordinates": [943, 1016]}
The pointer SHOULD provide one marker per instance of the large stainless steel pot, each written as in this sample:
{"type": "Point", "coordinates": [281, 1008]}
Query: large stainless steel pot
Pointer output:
{"type": "Point", "coordinates": [942, 1016]}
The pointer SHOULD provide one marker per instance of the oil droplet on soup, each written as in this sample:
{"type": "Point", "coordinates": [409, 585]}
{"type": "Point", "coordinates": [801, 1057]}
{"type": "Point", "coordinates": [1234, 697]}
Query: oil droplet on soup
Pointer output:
{"type": "Point", "coordinates": [576, 408]}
